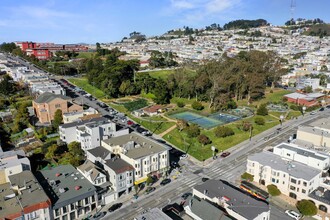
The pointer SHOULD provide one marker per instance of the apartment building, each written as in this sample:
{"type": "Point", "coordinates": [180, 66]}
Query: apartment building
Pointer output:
{"type": "Point", "coordinates": [11, 163]}
{"type": "Point", "coordinates": [72, 195]}
{"type": "Point", "coordinates": [91, 132]}
{"type": "Point", "coordinates": [236, 203]}
{"type": "Point", "coordinates": [144, 154]}
{"type": "Point", "coordinates": [47, 104]}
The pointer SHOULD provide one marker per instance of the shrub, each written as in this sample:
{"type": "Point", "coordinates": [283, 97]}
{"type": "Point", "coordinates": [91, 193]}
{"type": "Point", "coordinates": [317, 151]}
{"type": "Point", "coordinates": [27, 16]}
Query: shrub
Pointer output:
{"type": "Point", "coordinates": [262, 110]}
{"type": "Point", "coordinates": [203, 139]}
{"type": "Point", "coordinates": [294, 107]}
{"type": "Point", "coordinates": [197, 105]}
{"type": "Point", "coordinates": [271, 91]}
{"type": "Point", "coordinates": [180, 104]}
{"type": "Point", "coordinates": [285, 99]}
{"type": "Point", "coordinates": [259, 121]}
{"type": "Point", "coordinates": [307, 207]}
{"type": "Point", "coordinates": [222, 131]}
{"type": "Point", "coordinates": [193, 131]}
{"type": "Point", "coordinates": [244, 126]}
{"type": "Point", "coordinates": [273, 190]}
{"type": "Point", "coordinates": [247, 176]}
{"type": "Point", "coordinates": [231, 104]}
{"type": "Point", "coordinates": [136, 104]}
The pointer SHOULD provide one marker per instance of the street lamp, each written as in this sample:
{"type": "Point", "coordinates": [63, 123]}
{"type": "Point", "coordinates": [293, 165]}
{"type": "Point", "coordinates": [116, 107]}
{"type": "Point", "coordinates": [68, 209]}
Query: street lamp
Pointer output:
{"type": "Point", "coordinates": [213, 149]}
{"type": "Point", "coordinates": [281, 119]}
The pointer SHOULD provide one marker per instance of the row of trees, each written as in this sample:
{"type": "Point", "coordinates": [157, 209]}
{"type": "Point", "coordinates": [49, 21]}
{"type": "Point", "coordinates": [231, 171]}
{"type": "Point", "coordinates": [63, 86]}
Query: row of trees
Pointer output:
{"type": "Point", "coordinates": [244, 24]}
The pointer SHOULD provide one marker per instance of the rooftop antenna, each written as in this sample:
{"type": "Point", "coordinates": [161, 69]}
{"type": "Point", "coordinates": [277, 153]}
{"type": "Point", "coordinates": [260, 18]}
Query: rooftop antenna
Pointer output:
{"type": "Point", "coordinates": [292, 8]}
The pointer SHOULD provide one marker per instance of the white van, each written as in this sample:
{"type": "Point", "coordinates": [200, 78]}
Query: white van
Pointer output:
{"type": "Point", "coordinates": [293, 214]}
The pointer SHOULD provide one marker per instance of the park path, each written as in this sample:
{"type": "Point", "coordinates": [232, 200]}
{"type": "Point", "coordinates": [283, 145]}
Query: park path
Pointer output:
{"type": "Point", "coordinates": [170, 129]}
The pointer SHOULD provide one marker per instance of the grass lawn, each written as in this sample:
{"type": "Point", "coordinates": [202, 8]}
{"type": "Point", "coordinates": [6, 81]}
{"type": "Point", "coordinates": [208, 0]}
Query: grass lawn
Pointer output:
{"type": "Point", "coordinates": [195, 149]}
{"type": "Point", "coordinates": [277, 114]}
{"type": "Point", "coordinates": [186, 101]}
{"type": "Point", "coordinates": [85, 54]}
{"type": "Point", "coordinates": [83, 83]}
{"type": "Point", "coordinates": [293, 114]}
{"type": "Point", "coordinates": [163, 74]}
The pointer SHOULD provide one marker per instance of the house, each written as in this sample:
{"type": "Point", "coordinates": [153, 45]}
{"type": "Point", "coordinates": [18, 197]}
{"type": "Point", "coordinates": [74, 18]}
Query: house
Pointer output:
{"type": "Point", "coordinates": [92, 173]}
{"type": "Point", "coordinates": [11, 163]}
{"type": "Point", "coordinates": [308, 99]}
{"type": "Point", "coordinates": [47, 104]}
{"type": "Point", "coordinates": [147, 156]}
{"type": "Point", "coordinates": [6, 116]}
{"type": "Point", "coordinates": [72, 195]}
{"type": "Point", "coordinates": [91, 132]}
{"type": "Point", "coordinates": [152, 110]}
{"type": "Point", "coordinates": [232, 200]}
{"type": "Point", "coordinates": [75, 116]}
{"type": "Point", "coordinates": [23, 198]}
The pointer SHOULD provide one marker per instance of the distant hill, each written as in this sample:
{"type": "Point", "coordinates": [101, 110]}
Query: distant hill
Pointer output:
{"type": "Point", "coordinates": [245, 24]}
{"type": "Point", "coordinates": [320, 30]}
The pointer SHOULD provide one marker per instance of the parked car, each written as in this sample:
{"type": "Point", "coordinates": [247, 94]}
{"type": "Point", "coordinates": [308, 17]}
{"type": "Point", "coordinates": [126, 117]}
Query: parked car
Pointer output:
{"type": "Point", "coordinates": [150, 189]}
{"type": "Point", "coordinates": [225, 154]}
{"type": "Point", "coordinates": [99, 215]}
{"type": "Point", "coordinates": [174, 164]}
{"type": "Point", "coordinates": [183, 156]}
{"type": "Point", "coordinates": [114, 207]}
{"type": "Point", "coordinates": [321, 109]}
{"type": "Point", "coordinates": [204, 179]}
{"type": "Point", "coordinates": [129, 122]}
{"type": "Point", "coordinates": [293, 214]}
{"type": "Point", "coordinates": [313, 113]}
{"type": "Point", "coordinates": [165, 181]}
{"type": "Point", "coordinates": [186, 195]}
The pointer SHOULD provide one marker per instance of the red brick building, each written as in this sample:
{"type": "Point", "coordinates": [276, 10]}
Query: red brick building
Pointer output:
{"type": "Point", "coordinates": [26, 45]}
{"type": "Point", "coordinates": [308, 99]}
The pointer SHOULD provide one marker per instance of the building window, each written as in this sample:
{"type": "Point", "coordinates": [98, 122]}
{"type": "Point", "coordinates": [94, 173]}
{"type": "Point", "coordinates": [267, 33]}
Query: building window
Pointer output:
{"type": "Point", "coordinates": [86, 201]}
{"type": "Point", "coordinates": [293, 181]}
{"type": "Point", "coordinates": [303, 191]}
{"type": "Point", "coordinates": [292, 188]}
{"type": "Point", "coordinates": [288, 154]}
{"type": "Point", "coordinates": [304, 183]}
{"type": "Point", "coordinates": [64, 217]}
{"type": "Point", "coordinates": [58, 106]}
{"type": "Point", "coordinates": [57, 212]}
{"type": "Point", "coordinates": [298, 182]}
{"type": "Point", "coordinates": [64, 209]}
{"type": "Point", "coordinates": [72, 207]}
{"type": "Point", "coordinates": [273, 180]}
{"type": "Point", "coordinates": [130, 173]}
{"type": "Point", "coordinates": [283, 175]}
{"type": "Point", "coordinates": [297, 189]}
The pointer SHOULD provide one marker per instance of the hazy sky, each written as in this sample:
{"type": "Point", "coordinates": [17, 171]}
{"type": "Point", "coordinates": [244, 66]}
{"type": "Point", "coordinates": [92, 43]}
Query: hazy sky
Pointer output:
{"type": "Point", "coordinates": [90, 21]}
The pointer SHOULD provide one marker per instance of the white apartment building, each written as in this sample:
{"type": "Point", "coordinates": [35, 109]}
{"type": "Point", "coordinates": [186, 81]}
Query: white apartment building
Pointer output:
{"type": "Point", "coordinates": [12, 162]}
{"type": "Point", "coordinates": [144, 154]}
{"type": "Point", "coordinates": [90, 132]}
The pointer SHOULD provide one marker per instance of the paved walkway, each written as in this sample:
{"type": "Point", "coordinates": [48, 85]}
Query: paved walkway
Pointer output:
{"type": "Point", "coordinates": [170, 129]}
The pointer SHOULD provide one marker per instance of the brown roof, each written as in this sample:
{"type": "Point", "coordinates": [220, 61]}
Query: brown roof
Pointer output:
{"type": "Point", "coordinates": [88, 117]}
{"type": "Point", "coordinates": [153, 108]}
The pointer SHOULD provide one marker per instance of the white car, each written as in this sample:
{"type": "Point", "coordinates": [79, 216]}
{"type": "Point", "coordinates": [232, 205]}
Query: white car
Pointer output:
{"type": "Point", "coordinates": [183, 156]}
{"type": "Point", "coordinates": [293, 214]}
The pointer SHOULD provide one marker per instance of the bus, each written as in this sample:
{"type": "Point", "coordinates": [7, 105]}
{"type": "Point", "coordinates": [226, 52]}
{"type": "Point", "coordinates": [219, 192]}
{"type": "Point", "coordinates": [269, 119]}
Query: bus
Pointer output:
{"type": "Point", "coordinates": [253, 190]}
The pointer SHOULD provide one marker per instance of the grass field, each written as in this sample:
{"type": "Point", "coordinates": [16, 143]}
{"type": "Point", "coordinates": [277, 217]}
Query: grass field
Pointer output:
{"type": "Point", "coordinates": [195, 149]}
{"type": "Point", "coordinates": [85, 54]}
{"type": "Point", "coordinates": [163, 74]}
{"type": "Point", "coordinates": [83, 83]}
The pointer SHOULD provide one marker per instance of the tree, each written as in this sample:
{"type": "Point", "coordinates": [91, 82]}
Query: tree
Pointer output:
{"type": "Point", "coordinates": [222, 131]}
{"type": "Point", "coordinates": [193, 131]}
{"type": "Point", "coordinates": [308, 89]}
{"type": "Point", "coordinates": [197, 105]}
{"type": "Point", "coordinates": [307, 207]}
{"type": "Point", "coordinates": [58, 118]}
{"type": "Point", "coordinates": [51, 152]}
{"type": "Point", "coordinates": [203, 139]}
{"type": "Point", "coordinates": [182, 124]}
{"type": "Point", "coordinates": [149, 180]}
{"type": "Point", "coordinates": [259, 121]}
{"type": "Point", "coordinates": [273, 190]}
{"type": "Point", "coordinates": [180, 104]}
{"type": "Point", "coordinates": [162, 94]}
{"type": "Point", "coordinates": [7, 85]}
{"type": "Point", "coordinates": [262, 110]}
{"type": "Point", "coordinates": [245, 126]}
{"type": "Point", "coordinates": [75, 149]}
{"type": "Point", "coordinates": [247, 176]}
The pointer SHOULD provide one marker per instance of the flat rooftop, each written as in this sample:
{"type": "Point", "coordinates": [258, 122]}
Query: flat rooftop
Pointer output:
{"type": "Point", "coordinates": [321, 123]}
{"type": "Point", "coordinates": [143, 146]}
{"type": "Point", "coordinates": [241, 203]}
{"type": "Point", "coordinates": [64, 177]}
{"type": "Point", "coordinates": [8, 202]}
{"type": "Point", "coordinates": [294, 169]}
{"type": "Point", "coordinates": [153, 214]}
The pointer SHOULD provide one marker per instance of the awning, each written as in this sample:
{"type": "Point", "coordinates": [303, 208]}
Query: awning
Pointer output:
{"type": "Point", "coordinates": [140, 180]}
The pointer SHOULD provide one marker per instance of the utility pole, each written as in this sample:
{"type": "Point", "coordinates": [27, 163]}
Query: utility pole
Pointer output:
{"type": "Point", "coordinates": [292, 8]}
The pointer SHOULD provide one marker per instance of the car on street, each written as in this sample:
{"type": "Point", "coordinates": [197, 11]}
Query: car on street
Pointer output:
{"type": "Point", "coordinates": [186, 195]}
{"type": "Point", "coordinates": [150, 189]}
{"type": "Point", "coordinates": [99, 215]}
{"type": "Point", "coordinates": [321, 109]}
{"type": "Point", "coordinates": [225, 154]}
{"type": "Point", "coordinates": [204, 179]}
{"type": "Point", "coordinates": [115, 206]}
{"type": "Point", "coordinates": [313, 113]}
{"type": "Point", "coordinates": [165, 181]}
{"type": "Point", "coordinates": [129, 122]}
{"type": "Point", "coordinates": [183, 156]}
{"type": "Point", "coordinates": [293, 214]}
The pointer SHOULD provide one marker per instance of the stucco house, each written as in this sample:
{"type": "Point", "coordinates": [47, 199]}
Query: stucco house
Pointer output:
{"type": "Point", "coordinates": [47, 103]}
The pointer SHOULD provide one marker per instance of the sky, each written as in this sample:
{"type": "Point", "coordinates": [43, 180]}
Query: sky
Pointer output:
{"type": "Point", "coordinates": [104, 21]}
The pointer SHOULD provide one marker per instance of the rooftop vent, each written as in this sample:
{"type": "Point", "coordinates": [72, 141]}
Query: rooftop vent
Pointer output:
{"type": "Point", "coordinates": [52, 182]}
{"type": "Point", "coordinates": [61, 190]}
{"type": "Point", "coordinates": [76, 178]}
{"type": "Point", "coordinates": [58, 174]}
{"type": "Point", "coordinates": [77, 187]}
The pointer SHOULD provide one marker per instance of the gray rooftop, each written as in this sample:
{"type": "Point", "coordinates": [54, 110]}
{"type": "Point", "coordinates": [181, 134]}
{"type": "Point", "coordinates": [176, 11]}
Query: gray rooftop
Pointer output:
{"type": "Point", "coordinates": [33, 194]}
{"type": "Point", "coordinates": [241, 203]}
{"type": "Point", "coordinates": [68, 179]}
{"type": "Point", "coordinates": [8, 201]}
{"type": "Point", "coordinates": [153, 214]}
{"type": "Point", "coordinates": [321, 194]}
{"type": "Point", "coordinates": [321, 123]}
{"type": "Point", "coordinates": [143, 146]}
{"type": "Point", "coordinates": [315, 131]}
{"type": "Point", "coordinates": [205, 210]}
{"type": "Point", "coordinates": [303, 152]}
{"type": "Point", "coordinates": [47, 97]}
{"type": "Point", "coordinates": [100, 152]}
{"type": "Point", "coordinates": [82, 122]}
{"type": "Point", "coordinates": [294, 169]}
{"type": "Point", "coordinates": [118, 165]}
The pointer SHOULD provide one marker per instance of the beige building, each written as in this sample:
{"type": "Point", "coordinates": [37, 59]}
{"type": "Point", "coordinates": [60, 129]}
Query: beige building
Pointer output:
{"type": "Point", "coordinates": [47, 103]}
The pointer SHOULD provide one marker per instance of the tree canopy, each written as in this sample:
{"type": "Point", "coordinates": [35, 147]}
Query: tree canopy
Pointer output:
{"type": "Point", "coordinates": [244, 24]}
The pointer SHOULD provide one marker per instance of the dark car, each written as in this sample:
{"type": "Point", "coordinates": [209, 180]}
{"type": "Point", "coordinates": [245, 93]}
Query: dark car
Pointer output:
{"type": "Point", "coordinates": [164, 182]}
{"type": "Point", "coordinates": [186, 195]}
{"type": "Point", "coordinates": [321, 109]}
{"type": "Point", "coordinates": [204, 179]}
{"type": "Point", "coordinates": [150, 189]}
{"type": "Point", "coordinates": [114, 207]}
{"type": "Point", "coordinates": [99, 215]}
{"type": "Point", "coordinates": [225, 154]}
